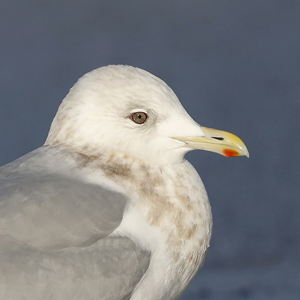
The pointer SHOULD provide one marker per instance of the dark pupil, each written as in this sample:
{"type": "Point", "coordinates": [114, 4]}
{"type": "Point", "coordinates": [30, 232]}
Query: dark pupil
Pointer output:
{"type": "Point", "coordinates": [139, 117]}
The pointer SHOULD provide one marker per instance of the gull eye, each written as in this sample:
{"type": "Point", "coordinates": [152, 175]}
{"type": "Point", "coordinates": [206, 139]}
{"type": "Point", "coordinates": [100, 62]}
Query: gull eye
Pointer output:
{"type": "Point", "coordinates": [139, 117]}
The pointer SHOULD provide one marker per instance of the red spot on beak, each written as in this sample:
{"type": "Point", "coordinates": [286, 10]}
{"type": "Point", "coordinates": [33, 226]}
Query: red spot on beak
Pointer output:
{"type": "Point", "coordinates": [230, 152]}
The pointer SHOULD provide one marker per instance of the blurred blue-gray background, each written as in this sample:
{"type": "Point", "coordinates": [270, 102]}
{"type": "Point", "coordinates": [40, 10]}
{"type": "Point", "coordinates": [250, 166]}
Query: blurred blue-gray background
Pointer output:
{"type": "Point", "coordinates": [235, 65]}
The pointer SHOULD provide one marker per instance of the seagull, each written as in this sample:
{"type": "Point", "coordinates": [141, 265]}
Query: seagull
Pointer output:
{"type": "Point", "coordinates": [108, 207]}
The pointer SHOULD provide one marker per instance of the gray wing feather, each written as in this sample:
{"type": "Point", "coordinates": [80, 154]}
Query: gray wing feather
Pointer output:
{"type": "Point", "coordinates": [53, 212]}
{"type": "Point", "coordinates": [49, 210]}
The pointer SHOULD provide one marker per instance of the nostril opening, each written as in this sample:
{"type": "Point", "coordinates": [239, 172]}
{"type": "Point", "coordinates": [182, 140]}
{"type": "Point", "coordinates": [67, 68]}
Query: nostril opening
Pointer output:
{"type": "Point", "coordinates": [217, 138]}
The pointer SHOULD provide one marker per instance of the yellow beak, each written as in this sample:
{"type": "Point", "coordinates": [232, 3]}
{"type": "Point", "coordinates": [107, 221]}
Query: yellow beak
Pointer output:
{"type": "Point", "coordinates": [218, 141]}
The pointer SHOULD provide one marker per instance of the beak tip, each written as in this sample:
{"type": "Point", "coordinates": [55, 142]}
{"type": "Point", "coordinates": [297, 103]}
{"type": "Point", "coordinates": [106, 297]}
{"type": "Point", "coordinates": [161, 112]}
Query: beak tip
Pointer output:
{"type": "Point", "coordinates": [246, 152]}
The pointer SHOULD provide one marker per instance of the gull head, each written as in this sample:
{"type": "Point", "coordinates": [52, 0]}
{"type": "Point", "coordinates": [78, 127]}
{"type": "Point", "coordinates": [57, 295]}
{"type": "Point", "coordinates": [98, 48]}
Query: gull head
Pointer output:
{"type": "Point", "coordinates": [123, 109]}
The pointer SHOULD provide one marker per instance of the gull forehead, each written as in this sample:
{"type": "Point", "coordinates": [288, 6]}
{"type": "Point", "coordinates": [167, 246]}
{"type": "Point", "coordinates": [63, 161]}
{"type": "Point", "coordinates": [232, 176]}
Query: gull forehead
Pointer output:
{"type": "Point", "coordinates": [115, 83]}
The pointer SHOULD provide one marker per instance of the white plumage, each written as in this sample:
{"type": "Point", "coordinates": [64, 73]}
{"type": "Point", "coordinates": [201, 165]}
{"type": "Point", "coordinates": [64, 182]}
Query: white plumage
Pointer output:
{"type": "Point", "coordinates": [108, 208]}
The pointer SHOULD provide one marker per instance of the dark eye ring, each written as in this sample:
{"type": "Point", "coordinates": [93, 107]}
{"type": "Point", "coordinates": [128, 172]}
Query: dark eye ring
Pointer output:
{"type": "Point", "coordinates": [139, 117]}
